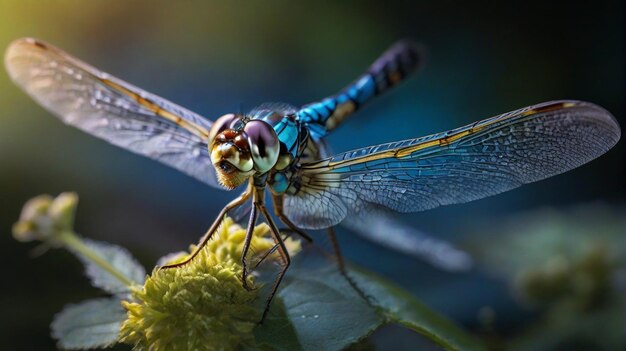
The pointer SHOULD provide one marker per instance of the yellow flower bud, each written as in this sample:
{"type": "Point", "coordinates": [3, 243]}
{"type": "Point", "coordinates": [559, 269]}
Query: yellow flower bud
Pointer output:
{"type": "Point", "coordinates": [45, 218]}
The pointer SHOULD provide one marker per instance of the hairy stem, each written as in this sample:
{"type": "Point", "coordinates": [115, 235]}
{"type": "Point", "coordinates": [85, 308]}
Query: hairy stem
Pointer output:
{"type": "Point", "coordinates": [73, 242]}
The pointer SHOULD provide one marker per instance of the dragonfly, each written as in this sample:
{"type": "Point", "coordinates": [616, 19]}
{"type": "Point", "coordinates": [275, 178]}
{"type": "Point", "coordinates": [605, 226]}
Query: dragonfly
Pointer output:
{"type": "Point", "coordinates": [281, 150]}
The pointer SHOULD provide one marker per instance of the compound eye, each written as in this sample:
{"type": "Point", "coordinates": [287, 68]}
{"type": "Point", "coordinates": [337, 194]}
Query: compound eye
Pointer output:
{"type": "Point", "coordinates": [264, 144]}
{"type": "Point", "coordinates": [221, 124]}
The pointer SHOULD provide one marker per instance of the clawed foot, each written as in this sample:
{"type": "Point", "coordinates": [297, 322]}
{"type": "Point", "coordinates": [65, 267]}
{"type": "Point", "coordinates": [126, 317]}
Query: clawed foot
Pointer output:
{"type": "Point", "coordinates": [244, 282]}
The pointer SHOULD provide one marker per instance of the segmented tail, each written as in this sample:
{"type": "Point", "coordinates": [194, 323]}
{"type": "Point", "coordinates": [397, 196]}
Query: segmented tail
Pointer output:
{"type": "Point", "coordinates": [400, 60]}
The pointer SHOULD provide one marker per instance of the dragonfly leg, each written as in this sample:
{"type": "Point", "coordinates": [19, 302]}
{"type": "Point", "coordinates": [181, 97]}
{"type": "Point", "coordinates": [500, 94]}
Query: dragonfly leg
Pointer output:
{"type": "Point", "coordinates": [267, 253]}
{"type": "Point", "coordinates": [207, 236]}
{"type": "Point", "coordinates": [342, 268]}
{"type": "Point", "coordinates": [246, 244]}
{"type": "Point", "coordinates": [282, 251]}
{"type": "Point", "coordinates": [333, 239]}
{"type": "Point", "coordinates": [277, 201]}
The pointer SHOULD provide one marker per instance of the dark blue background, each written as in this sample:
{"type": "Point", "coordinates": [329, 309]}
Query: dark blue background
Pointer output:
{"type": "Point", "coordinates": [485, 58]}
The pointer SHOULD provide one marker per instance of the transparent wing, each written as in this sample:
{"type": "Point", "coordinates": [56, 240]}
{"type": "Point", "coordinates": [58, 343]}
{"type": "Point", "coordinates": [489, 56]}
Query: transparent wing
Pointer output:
{"type": "Point", "coordinates": [468, 163]}
{"type": "Point", "coordinates": [112, 109]}
{"type": "Point", "coordinates": [386, 230]}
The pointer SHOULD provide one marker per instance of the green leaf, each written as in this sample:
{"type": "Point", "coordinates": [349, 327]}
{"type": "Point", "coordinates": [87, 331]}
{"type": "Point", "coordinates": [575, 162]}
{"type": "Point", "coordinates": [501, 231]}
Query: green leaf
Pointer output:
{"type": "Point", "coordinates": [89, 324]}
{"type": "Point", "coordinates": [320, 310]}
{"type": "Point", "coordinates": [120, 259]}
{"type": "Point", "coordinates": [403, 309]}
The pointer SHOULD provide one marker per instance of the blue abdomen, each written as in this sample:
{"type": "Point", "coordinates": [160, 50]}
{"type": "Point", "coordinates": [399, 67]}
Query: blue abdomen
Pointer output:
{"type": "Point", "coordinates": [392, 67]}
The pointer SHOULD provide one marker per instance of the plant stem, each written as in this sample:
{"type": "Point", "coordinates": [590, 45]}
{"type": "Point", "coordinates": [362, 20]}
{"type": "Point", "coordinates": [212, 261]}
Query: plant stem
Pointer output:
{"type": "Point", "coordinates": [73, 242]}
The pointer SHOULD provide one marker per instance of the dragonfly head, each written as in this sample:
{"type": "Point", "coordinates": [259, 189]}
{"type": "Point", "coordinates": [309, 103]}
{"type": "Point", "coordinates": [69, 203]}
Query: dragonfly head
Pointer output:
{"type": "Point", "coordinates": [241, 148]}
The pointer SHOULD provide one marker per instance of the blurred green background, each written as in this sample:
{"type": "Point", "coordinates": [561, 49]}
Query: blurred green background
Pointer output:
{"type": "Point", "coordinates": [216, 57]}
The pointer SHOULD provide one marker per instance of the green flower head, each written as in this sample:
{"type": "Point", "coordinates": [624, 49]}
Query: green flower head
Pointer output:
{"type": "Point", "coordinates": [201, 305]}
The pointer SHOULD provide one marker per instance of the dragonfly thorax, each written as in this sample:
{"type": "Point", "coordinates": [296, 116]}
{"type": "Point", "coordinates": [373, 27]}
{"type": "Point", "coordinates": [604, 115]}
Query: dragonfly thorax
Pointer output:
{"type": "Point", "coordinates": [241, 147]}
